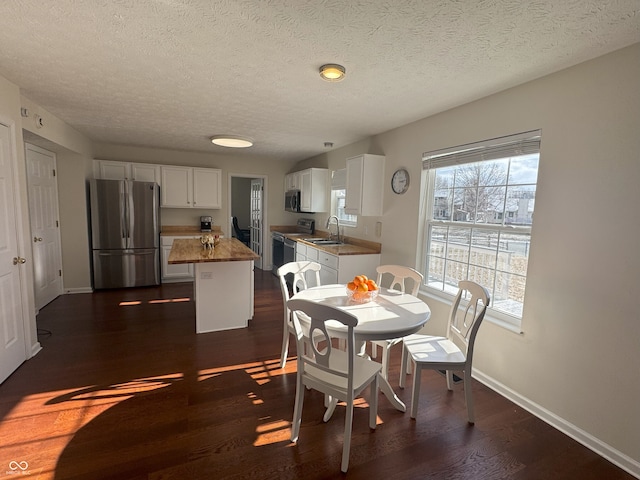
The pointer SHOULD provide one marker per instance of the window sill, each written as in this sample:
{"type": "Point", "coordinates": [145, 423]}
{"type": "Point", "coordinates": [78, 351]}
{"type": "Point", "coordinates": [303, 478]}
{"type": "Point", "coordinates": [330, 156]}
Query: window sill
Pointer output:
{"type": "Point", "coordinates": [490, 316]}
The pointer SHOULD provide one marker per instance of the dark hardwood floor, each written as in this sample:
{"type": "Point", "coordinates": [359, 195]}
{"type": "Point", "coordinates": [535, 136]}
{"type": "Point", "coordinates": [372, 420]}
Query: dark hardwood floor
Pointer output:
{"type": "Point", "coordinates": [124, 389]}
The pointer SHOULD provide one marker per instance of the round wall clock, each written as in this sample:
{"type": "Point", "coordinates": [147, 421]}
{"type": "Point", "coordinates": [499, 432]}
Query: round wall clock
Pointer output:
{"type": "Point", "coordinates": [400, 181]}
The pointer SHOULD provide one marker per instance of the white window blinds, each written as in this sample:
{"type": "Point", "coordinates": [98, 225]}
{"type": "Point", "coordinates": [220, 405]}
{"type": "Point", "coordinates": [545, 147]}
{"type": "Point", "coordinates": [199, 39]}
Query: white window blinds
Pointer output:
{"type": "Point", "coordinates": [503, 147]}
{"type": "Point", "coordinates": [339, 179]}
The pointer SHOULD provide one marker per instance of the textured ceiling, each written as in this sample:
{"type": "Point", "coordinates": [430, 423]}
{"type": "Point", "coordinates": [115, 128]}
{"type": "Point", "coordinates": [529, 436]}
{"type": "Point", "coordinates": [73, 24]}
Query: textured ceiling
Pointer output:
{"type": "Point", "coordinates": [171, 73]}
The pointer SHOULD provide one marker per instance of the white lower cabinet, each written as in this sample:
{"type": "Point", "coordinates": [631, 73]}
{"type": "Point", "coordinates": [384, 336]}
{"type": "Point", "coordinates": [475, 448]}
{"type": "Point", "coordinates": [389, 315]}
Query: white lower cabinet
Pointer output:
{"type": "Point", "coordinates": [342, 268]}
{"type": "Point", "coordinates": [182, 272]}
{"type": "Point", "coordinates": [301, 252]}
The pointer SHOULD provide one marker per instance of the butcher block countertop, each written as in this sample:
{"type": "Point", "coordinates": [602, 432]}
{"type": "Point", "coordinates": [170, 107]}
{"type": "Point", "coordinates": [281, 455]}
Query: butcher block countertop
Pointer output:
{"type": "Point", "coordinates": [347, 248]}
{"type": "Point", "coordinates": [228, 250]}
{"type": "Point", "coordinates": [187, 230]}
{"type": "Point", "coordinates": [351, 246]}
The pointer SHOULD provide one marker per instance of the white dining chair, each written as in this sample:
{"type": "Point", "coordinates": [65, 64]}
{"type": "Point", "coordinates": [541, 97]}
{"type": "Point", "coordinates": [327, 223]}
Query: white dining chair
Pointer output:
{"type": "Point", "coordinates": [453, 352]}
{"type": "Point", "coordinates": [399, 274]}
{"type": "Point", "coordinates": [299, 271]}
{"type": "Point", "coordinates": [339, 374]}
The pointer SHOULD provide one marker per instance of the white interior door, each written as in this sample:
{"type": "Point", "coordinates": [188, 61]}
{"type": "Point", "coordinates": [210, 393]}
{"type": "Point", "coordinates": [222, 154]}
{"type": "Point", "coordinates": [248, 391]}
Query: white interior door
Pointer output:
{"type": "Point", "coordinates": [257, 188]}
{"type": "Point", "coordinates": [43, 213]}
{"type": "Point", "coordinates": [12, 344]}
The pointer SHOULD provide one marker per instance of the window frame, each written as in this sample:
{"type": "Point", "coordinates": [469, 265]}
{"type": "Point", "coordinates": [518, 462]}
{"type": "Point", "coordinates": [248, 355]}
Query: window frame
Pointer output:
{"type": "Point", "coordinates": [338, 184]}
{"type": "Point", "coordinates": [427, 221]}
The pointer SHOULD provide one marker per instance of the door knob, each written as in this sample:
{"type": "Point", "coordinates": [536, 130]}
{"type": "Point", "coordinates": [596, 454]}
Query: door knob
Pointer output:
{"type": "Point", "coordinates": [17, 260]}
{"type": "Point", "coordinates": [37, 239]}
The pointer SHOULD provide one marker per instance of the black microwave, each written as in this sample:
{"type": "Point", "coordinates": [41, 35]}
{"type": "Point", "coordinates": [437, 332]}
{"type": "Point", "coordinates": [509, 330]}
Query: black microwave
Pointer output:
{"type": "Point", "coordinates": [292, 201]}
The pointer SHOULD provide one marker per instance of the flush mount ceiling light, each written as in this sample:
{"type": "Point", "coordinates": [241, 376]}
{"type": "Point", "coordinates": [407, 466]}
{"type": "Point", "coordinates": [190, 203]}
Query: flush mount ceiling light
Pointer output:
{"type": "Point", "coordinates": [232, 141]}
{"type": "Point", "coordinates": [332, 72]}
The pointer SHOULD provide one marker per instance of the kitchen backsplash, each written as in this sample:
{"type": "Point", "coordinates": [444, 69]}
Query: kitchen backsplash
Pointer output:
{"type": "Point", "coordinates": [188, 216]}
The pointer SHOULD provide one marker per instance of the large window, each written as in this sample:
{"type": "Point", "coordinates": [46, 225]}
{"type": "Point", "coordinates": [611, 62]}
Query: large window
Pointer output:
{"type": "Point", "coordinates": [479, 207]}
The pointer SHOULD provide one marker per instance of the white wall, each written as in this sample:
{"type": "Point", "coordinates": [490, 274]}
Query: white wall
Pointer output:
{"type": "Point", "coordinates": [577, 364]}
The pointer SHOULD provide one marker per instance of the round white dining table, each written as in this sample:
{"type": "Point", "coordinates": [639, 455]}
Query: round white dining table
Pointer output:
{"type": "Point", "coordinates": [392, 314]}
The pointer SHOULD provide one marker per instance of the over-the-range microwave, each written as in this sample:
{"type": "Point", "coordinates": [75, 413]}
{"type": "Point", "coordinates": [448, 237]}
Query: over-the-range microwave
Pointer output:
{"type": "Point", "coordinates": [292, 201]}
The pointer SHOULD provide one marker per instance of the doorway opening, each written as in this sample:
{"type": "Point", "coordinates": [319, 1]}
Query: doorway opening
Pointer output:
{"type": "Point", "coordinates": [247, 200]}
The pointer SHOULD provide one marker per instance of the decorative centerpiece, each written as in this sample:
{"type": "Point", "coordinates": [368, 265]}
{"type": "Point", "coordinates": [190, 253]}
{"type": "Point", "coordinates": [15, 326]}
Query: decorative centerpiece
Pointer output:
{"type": "Point", "coordinates": [362, 289]}
{"type": "Point", "coordinates": [207, 241]}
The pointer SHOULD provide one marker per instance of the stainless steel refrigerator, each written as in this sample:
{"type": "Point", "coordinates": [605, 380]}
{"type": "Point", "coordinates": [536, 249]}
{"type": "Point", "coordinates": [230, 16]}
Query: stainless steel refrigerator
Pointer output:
{"type": "Point", "coordinates": [125, 223]}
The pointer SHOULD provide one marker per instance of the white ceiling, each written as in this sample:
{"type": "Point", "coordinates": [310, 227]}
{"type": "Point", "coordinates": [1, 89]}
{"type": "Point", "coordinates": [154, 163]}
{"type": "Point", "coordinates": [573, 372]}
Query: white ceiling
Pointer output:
{"type": "Point", "coordinates": [171, 73]}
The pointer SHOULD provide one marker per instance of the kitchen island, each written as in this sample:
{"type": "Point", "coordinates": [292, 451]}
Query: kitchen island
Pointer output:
{"type": "Point", "coordinates": [223, 285]}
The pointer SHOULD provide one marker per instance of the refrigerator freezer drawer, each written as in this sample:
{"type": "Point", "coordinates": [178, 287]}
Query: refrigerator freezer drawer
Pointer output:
{"type": "Point", "coordinates": [126, 268]}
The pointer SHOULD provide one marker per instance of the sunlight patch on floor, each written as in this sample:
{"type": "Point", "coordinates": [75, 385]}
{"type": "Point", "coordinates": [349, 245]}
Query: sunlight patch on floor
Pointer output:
{"type": "Point", "coordinates": [272, 432]}
{"type": "Point", "coordinates": [132, 303]}
{"type": "Point", "coordinates": [262, 372]}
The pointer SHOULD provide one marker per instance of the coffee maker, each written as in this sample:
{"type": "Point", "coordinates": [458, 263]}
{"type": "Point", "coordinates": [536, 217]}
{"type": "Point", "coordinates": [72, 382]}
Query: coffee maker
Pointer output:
{"type": "Point", "coordinates": [205, 224]}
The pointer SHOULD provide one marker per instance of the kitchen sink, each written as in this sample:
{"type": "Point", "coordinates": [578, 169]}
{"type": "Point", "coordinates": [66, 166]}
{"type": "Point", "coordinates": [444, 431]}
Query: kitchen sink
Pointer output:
{"type": "Point", "coordinates": [324, 241]}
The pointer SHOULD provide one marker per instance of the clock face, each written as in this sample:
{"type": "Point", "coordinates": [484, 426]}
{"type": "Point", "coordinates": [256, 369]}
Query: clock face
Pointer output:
{"type": "Point", "coordinates": [400, 181]}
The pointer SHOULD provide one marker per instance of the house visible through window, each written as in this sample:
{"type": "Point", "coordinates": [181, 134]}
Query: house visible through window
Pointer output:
{"type": "Point", "coordinates": [478, 215]}
{"type": "Point", "coordinates": [338, 196]}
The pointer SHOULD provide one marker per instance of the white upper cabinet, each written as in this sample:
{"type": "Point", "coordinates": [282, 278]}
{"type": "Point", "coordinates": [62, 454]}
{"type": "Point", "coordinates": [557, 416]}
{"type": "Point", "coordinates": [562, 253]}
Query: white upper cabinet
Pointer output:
{"type": "Point", "coordinates": [207, 191]}
{"type": "Point", "coordinates": [292, 181]}
{"type": "Point", "coordinates": [365, 185]}
{"type": "Point", "coordinates": [144, 172]}
{"type": "Point", "coordinates": [108, 170]}
{"type": "Point", "coordinates": [141, 172]}
{"type": "Point", "coordinates": [188, 187]}
{"type": "Point", "coordinates": [314, 190]}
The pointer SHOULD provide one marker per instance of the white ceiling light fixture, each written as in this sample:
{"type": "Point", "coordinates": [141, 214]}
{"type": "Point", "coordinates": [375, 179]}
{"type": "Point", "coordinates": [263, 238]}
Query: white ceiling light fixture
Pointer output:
{"type": "Point", "coordinates": [332, 72]}
{"type": "Point", "coordinates": [232, 141]}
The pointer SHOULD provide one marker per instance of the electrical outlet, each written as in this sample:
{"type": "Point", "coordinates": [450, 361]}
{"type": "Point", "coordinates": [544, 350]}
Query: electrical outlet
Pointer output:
{"type": "Point", "coordinates": [206, 275]}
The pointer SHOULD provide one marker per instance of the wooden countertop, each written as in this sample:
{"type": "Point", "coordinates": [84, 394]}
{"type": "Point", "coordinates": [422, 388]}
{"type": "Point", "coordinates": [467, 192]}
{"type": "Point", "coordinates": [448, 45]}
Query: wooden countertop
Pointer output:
{"type": "Point", "coordinates": [187, 231]}
{"type": "Point", "coordinates": [351, 246]}
{"type": "Point", "coordinates": [228, 250]}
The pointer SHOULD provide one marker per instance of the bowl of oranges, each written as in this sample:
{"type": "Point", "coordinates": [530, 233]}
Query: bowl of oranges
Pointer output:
{"type": "Point", "coordinates": [362, 289]}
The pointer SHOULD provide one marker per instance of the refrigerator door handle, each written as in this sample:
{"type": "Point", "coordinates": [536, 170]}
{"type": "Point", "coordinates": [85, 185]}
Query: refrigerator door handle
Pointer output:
{"type": "Point", "coordinates": [120, 253]}
{"type": "Point", "coordinates": [127, 208]}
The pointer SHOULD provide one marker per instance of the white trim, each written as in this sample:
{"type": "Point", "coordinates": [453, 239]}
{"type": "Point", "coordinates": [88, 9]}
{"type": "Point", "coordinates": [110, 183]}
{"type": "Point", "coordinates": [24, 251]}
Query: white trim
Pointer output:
{"type": "Point", "coordinates": [266, 234]}
{"type": "Point", "coordinates": [31, 343]}
{"type": "Point", "coordinates": [78, 290]}
{"type": "Point", "coordinates": [603, 449]}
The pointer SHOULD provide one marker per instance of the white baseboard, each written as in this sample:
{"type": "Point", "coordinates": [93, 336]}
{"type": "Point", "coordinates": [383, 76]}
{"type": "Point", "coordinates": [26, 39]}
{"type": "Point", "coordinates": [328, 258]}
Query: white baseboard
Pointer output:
{"type": "Point", "coordinates": [616, 457]}
{"type": "Point", "coordinates": [35, 348]}
{"type": "Point", "coordinates": [78, 290]}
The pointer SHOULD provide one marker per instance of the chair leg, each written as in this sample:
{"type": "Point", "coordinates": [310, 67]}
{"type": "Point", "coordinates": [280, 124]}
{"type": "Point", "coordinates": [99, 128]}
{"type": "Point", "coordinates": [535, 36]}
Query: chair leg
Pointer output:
{"type": "Point", "coordinates": [404, 368]}
{"type": "Point", "coordinates": [374, 350]}
{"type": "Point", "coordinates": [468, 396]}
{"type": "Point", "coordinates": [285, 347]}
{"type": "Point", "coordinates": [373, 404]}
{"type": "Point", "coordinates": [297, 411]}
{"type": "Point", "coordinates": [348, 424]}
{"type": "Point", "coordinates": [449, 375]}
{"type": "Point", "coordinates": [417, 373]}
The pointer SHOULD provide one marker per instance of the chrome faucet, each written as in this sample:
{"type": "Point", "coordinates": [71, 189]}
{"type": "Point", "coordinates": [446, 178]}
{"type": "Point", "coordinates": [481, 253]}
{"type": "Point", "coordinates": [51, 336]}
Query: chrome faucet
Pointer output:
{"type": "Point", "coordinates": [337, 227]}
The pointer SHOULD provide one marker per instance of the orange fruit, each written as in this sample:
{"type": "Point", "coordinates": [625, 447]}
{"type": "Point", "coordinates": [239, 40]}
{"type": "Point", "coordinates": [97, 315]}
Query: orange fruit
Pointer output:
{"type": "Point", "coordinates": [351, 286]}
{"type": "Point", "coordinates": [372, 285]}
{"type": "Point", "coordinates": [363, 287]}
